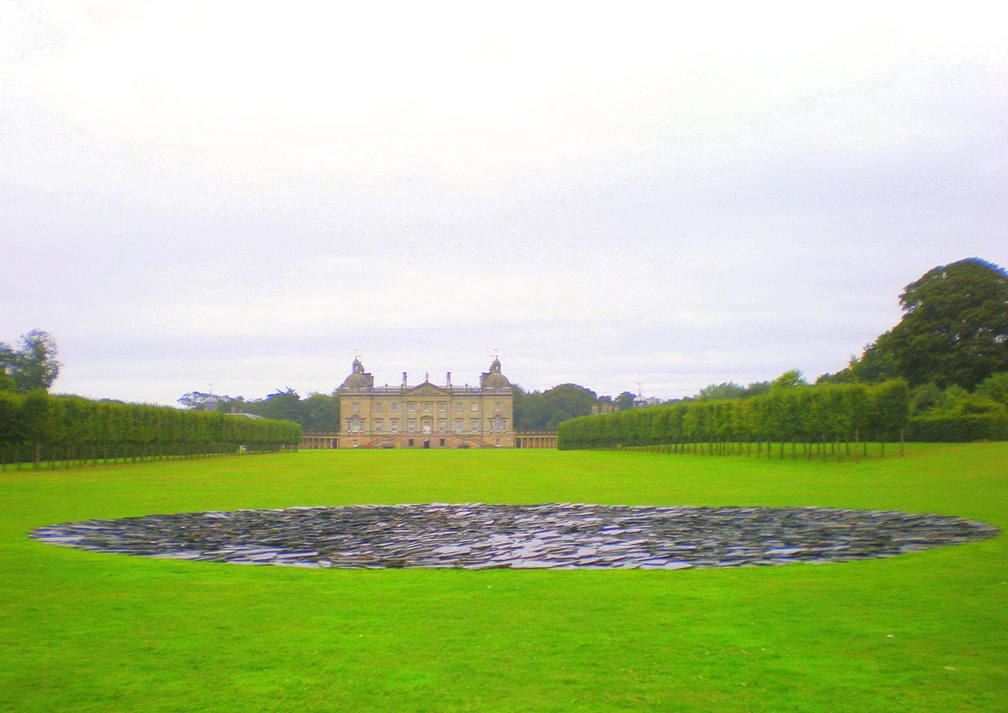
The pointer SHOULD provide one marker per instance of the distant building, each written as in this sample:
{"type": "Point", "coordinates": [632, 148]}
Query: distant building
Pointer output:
{"type": "Point", "coordinates": [641, 402]}
{"type": "Point", "coordinates": [644, 402]}
{"type": "Point", "coordinates": [426, 415]}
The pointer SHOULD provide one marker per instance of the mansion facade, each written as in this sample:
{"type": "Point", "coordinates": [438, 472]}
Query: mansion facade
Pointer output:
{"type": "Point", "coordinates": [426, 415]}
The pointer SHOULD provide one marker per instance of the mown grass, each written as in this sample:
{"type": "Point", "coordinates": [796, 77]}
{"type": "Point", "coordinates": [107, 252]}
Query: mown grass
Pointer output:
{"type": "Point", "coordinates": [84, 631]}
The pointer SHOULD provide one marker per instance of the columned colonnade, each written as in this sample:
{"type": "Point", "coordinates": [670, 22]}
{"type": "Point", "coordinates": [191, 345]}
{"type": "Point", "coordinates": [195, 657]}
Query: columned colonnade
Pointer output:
{"type": "Point", "coordinates": [535, 440]}
{"type": "Point", "coordinates": [312, 441]}
{"type": "Point", "coordinates": [327, 440]}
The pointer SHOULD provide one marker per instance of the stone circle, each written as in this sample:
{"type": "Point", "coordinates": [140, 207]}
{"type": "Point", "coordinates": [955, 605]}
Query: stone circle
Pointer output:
{"type": "Point", "coordinates": [556, 536]}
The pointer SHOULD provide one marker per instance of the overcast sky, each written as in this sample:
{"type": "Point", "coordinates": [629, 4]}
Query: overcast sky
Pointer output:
{"type": "Point", "coordinates": [242, 194]}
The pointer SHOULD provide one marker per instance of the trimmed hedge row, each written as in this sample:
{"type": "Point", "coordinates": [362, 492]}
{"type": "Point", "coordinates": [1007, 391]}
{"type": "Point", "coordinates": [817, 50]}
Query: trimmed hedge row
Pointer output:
{"type": "Point", "coordinates": [36, 427]}
{"type": "Point", "coordinates": [959, 428]}
{"type": "Point", "coordinates": [828, 413]}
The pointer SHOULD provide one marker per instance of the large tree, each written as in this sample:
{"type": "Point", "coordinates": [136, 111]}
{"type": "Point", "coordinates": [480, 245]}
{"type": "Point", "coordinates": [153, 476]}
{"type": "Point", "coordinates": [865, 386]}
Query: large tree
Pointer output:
{"type": "Point", "coordinates": [954, 328]}
{"type": "Point", "coordinates": [543, 411]}
{"type": "Point", "coordinates": [31, 367]}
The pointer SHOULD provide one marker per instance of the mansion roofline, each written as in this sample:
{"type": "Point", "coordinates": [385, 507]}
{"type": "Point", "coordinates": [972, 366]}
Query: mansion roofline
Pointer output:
{"type": "Point", "coordinates": [450, 390]}
{"type": "Point", "coordinates": [360, 381]}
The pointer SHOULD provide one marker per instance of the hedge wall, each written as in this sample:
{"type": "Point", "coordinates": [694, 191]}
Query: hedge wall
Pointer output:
{"type": "Point", "coordinates": [806, 414]}
{"type": "Point", "coordinates": [959, 428]}
{"type": "Point", "coordinates": [36, 427]}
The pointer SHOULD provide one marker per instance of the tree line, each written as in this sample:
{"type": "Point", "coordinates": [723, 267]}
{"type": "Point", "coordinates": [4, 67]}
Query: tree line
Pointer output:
{"type": "Point", "coordinates": [533, 410]}
{"type": "Point", "coordinates": [317, 412]}
{"type": "Point", "coordinates": [951, 348]}
{"type": "Point", "coordinates": [546, 410]}
{"type": "Point", "coordinates": [36, 427]}
{"type": "Point", "coordinates": [821, 418]}
{"type": "Point", "coordinates": [941, 374]}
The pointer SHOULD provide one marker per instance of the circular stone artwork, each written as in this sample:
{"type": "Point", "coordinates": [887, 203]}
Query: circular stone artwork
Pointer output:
{"type": "Point", "coordinates": [558, 536]}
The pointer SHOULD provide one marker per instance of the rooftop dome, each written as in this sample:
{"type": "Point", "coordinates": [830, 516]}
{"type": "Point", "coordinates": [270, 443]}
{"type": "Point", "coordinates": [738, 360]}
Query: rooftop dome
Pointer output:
{"type": "Point", "coordinates": [358, 379]}
{"type": "Point", "coordinates": [494, 379]}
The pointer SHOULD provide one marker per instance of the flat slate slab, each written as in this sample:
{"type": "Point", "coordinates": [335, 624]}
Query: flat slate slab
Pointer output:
{"type": "Point", "coordinates": [556, 536]}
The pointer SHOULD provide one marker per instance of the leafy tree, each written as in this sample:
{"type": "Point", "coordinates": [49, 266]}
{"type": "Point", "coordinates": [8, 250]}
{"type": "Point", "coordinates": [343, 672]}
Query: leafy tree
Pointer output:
{"type": "Point", "coordinates": [6, 365]}
{"type": "Point", "coordinates": [321, 413]}
{"type": "Point", "coordinates": [731, 390]}
{"type": "Point", "coordinates": [283, 405]}
{"type": "Point", "coordinates": [10, 426]}
{"type": "Point", "coordinates": [35, 418]}
{"type": "Point", "coordinates": [891, 410]}
{"type": "Point", "coordinates": [318, 412]}
{"type": "Point", "coordinates": [995, 388]}
{"type": "Point", "coordinates": [33, 366]}
{"type": "Point", "coordinates": [955, 400]}
{"type": "Point", "coordinates": [954, 329]}
{"type": "Point", "coordinates": [541, 411]}
{"type": "Point", "coordinates": [875, 365]}
{"type": "Point", "coordinates": [924, 398]}
{"type": "Point", "coordinates": [624, 401]}
{"type": "Point", "coordinates": [757, 388]}
{"type": "Point", "coordinates": [725, 390]}
{"type": "Point", "coordinates": [789, 380]}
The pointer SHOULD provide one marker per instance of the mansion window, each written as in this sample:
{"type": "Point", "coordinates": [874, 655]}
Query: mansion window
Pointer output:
{"type": "Point", "coordinates": [475, 425]}
{"type": "Point", "coordinates": [377, 407]}
{"type": "Point", "coordinates": [411, 407]}
{"type": "Point", "coordinates": [441, 406]}
{"type": "Point", "coordinates": [458, 405]}
{"type": "Point", "coordinates": [426, 426]}
{"type": "Point", "coordinates": [395, 426]}
{"type": "Point", "coordinates": [441, 426]}
{"type": "Point", "coordinates": [411, 425]}
{"type": "Point", "coordinates": [498, 424]}
{"type": "Point", "coordinates": [395, 407]}
{"type": "Point", "coordinates": [426, 406]}
{"type": "Point", "coordinates": [497, 406]}
{"type": "Point", "coordinates": [474, 407]}
{"type": "Point", "coordinates": [458, 426]}
{"type": "Point", "coordinates": [378, 425]}
{"type": "Point", "coordinates": [355, 407]}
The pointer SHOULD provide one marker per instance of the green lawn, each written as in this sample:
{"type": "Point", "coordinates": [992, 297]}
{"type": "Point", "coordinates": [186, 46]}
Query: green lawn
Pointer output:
{"type": "Point", "coordinates": [85, 631]}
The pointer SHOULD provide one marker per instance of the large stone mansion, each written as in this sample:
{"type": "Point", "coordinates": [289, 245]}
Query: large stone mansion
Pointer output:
{"type": "Point", "coordinates": [427, 415]}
